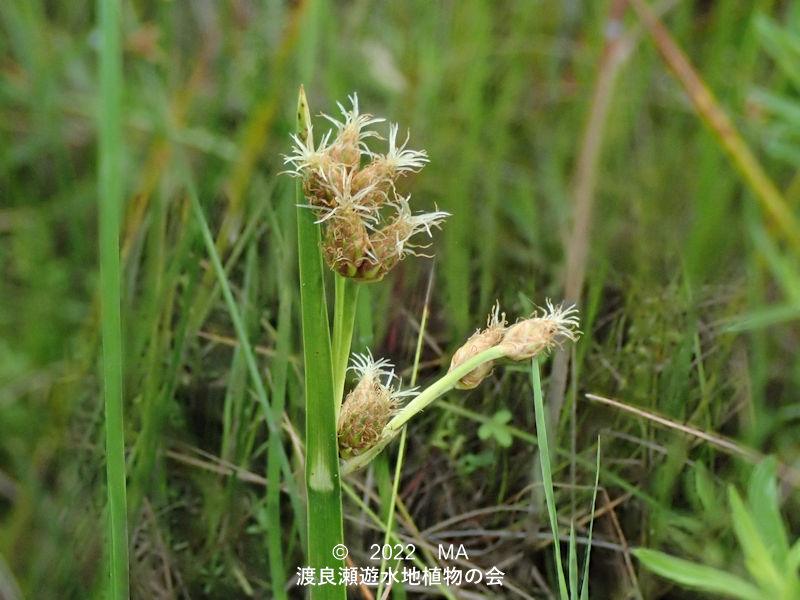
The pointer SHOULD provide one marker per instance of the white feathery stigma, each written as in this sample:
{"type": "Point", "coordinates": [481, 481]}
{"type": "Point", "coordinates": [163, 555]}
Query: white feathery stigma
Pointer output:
{"type": "Point", "coordinates": [354, 122]}
{"type": "Point", "coordinates": [419, 222]}
{"type": "Point", "coordinates": [372, 371]}
{"type": "Point", "coordinates": [364, 366]}
{"type": "Point", "coordinates": [367, 224]}
{"type": "Point", "coordinates": [408, 225]}
{"type": "Point", "coordinates": [347, 201]}
{"type": "Point", "coordinates": [495, 320]}
{"type": "Point", "coordinates": [564, 317]}
{"type": "Point", "coordinates": [307, 158]}
{"type": "Point", "coordinates": [398, 159]}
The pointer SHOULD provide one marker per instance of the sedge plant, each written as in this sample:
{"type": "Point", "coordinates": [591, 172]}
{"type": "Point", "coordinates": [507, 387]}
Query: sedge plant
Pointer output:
{"type": "Point", "coordinates": [370, 419]}
{"type": "Point", "coordinates": [352, 218]}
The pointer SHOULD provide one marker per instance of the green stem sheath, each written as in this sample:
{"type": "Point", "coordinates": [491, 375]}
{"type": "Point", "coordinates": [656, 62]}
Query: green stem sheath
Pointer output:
{"type": "Point", "coordinates": [110, 197]}
{"type": "Point", "coordinates": [344, 315]}
{"type": "Point", "coordinates": [323, 485]}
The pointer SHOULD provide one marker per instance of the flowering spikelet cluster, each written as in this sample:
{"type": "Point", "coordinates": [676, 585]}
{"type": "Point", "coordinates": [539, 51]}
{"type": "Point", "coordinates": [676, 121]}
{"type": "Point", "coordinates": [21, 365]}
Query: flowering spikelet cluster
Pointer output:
{"type": "Point", "coordinates": [521, 341]}
{"type": "Point", "coordinates": [477, 343]}
{"type": "Point", "coordinates": [370, 405]}
{"type": "Point", "coordinates": [367, 225]}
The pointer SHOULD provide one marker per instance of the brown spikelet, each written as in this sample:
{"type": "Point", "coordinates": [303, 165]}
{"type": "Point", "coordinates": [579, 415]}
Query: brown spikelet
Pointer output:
{"type": "Point", "coordinates": [365, 412]}
{"type": "Point", "coordinates": [368, 408]}
{"type": "Point", "coordinates": [530, 337]}
{"type": "Point", "coordinates": [367, 226]}
{"type": "Point", "coordinates": [477, 343]}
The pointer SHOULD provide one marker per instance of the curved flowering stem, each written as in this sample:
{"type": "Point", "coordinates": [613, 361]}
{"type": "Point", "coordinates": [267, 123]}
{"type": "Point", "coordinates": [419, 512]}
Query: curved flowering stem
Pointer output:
{"type": "Point", "coordinates": [524, 340]}
{"type": "Point", "coordinates": [420, 402]}
{"type": "Point", "coordinates": [443, 385]}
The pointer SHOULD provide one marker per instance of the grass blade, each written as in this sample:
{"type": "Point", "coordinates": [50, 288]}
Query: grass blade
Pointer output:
{"type": "Point", "coordinates": [110, 196]}
{"type": "Point", "coordinates": [793, 558]}
{"type": "Point", "coordinates": [247, 349]}
{"type": "Point", "coordinates": [547, 476]}
{"type": "Point", "coordinates": [757, 556]}
{"type": "Point", "coordinates": [762, 493]}
{"type": "Point", "coordinates": [280, 366]}
{"type": "Point", "coordinates": [585, 583]}
{"type": "Point", "coordinates": [573, 564]}
{"type": "Point", "coordinates": [700, 577]}
{"type": "Point", "coordinates": [323, 486]}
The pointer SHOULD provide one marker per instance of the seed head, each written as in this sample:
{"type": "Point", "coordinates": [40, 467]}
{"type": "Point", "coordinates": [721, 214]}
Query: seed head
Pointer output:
{"type": "Point", "coordinates": [527, 338]}
{"type": "Point", "coordinates": [367, 225]}
{"type": "Point", "coordinates": [370, 405]}
{"type": "Point", "coordinates": [477, 343]}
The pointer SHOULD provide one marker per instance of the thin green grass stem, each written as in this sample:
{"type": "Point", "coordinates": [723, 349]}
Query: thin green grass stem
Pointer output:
{"type": "Point", "coordinates": [572, 561]}
{"type": "Point", "coordinates": [280, 367]}
{"type": "Point", "coordinates": [110, 197]}
{"type": "Point", "coordinates": [394, 539]}
{"type": "Point", "coordinates": [323, 486]}
{"type": "Point", "coordinates": [585, 585]}
{"type": "Point", "coordinates": [401, 451]}
{"type": "Point", "coordinates": [547, 476]}
{"type": "Point", "coordinates": [344, 315]}
{"type": "Point", "coordinates": [238, 324]}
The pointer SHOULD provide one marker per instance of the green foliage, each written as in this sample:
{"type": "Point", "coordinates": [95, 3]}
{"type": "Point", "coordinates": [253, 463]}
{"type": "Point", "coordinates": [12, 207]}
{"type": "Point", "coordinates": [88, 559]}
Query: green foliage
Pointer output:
{"type": "Point", "coordinates": [496, 428]}
{"type": "Point", "coordinates": [689, 306]}
{"type": "Point", "coordinates": [110, 195]}
{"type": "Point", "coordinates": [782, 134]}
{"type": "Point", "coordinates": [773, 566]}
{"type": "Point", "coordinates": [697, 576]}
{"type": "Point", "coordinates": [470, 462]}
{"type": "Point", "coordinates": [568, 587]}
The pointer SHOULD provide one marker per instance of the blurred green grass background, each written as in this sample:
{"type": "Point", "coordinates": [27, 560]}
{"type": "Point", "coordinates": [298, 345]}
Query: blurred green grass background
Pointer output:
{"type": "Point", "coordinates": [690, 302]}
